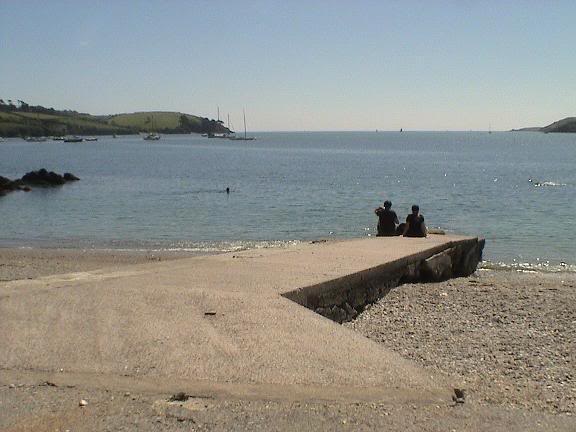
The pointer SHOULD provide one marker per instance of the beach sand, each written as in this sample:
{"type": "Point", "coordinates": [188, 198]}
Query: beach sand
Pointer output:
{"type": "Point", "coordinates": [31, 263]}
{"type": "Point", "coordinates": [508, 338]}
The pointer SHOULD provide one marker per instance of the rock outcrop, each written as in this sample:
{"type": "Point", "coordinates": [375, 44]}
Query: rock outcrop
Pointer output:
{"type": "Point", "coordinates": [7, 185]}
{"type": "Point", "coordinates": [42, 178]}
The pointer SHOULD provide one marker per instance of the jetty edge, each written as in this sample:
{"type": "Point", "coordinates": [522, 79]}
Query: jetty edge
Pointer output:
{"type": "Point", "coordinates": [223, 326]}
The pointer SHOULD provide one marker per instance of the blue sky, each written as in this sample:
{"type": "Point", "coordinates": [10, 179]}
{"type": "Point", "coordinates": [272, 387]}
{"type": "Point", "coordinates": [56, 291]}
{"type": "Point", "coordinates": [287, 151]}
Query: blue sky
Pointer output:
{"type": "Point", "coordinates": [298, 65]}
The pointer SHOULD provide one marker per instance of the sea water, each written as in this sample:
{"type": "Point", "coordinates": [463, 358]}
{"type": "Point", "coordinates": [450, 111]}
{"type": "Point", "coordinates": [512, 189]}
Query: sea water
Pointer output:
{"type": "Point", "coordinates": [516, 189]}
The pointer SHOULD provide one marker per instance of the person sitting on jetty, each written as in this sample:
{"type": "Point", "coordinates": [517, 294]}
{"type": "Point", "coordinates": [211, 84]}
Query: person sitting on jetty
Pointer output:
{"type": "Point", "coordinates": [415, 226]}
{"type": "Point", "coordinates": [387, 220]}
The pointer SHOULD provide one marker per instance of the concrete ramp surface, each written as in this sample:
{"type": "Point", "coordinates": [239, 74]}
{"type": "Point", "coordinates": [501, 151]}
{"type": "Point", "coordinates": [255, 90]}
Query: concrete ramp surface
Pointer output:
{"type": "Point", "coordinates": [216, 324]}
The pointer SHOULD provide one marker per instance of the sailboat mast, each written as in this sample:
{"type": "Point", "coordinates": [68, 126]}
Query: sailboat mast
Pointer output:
{"type": "Point", "coordinates": [244, 112]}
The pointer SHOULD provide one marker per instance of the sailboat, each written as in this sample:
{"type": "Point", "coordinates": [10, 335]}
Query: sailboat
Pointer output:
{"type": "Point", "coordinates": [245, 137]}
{"type": "Point", "coordinates": [151, 136]}
{"type": "Point", "coordinates": [219, 134]}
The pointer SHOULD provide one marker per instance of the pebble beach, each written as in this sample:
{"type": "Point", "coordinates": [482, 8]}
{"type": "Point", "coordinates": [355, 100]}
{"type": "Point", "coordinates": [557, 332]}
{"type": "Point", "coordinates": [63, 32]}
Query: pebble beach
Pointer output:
{"type": "Point", "coordinates": [508, 337]}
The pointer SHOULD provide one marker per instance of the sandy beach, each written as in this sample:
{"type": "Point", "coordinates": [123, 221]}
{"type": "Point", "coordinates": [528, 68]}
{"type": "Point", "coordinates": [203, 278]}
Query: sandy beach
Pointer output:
{"type": "Point", "coordinates": [31, 263]}
{"type": "Point", "coordinates": [507, 337]}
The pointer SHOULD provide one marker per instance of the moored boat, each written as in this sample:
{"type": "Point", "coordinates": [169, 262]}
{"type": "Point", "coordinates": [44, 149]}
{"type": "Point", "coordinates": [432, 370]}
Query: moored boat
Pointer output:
{"type": "Point", "coordinates": [35, 139]}
{"type": "Point", "coordinates": [73, 139]}
{"type": "Point", "coordinates": [245, 137]}
{"type": "Point", "coordinates": [152, 136]}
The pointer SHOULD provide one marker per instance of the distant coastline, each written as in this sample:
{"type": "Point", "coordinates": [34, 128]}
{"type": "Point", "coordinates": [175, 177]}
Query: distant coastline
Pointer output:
{"type": "Point", "coordinates": [19, 119]}
{"type": "Point", "coordinates": [566, 125]}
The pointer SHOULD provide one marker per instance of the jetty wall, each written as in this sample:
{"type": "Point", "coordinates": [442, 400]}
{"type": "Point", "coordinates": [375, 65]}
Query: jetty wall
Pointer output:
{"type": "Point", "coordinates": [342, 299]}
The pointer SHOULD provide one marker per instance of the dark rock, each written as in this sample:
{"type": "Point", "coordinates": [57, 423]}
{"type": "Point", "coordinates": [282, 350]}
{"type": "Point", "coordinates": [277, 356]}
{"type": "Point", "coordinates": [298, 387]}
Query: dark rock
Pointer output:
{"type": "Point", "coordinates": [4, 181]}
{"type": "Point", "coordinates": [459, 396]}
{"type": "Point", "coordinates": [70, 177]}
{"type": "Point", "coordinates": [43, 178]}
{"type": "Point", "coordinates": [179, 397]}
{"type": "Point", "coordinates": [7, 185]}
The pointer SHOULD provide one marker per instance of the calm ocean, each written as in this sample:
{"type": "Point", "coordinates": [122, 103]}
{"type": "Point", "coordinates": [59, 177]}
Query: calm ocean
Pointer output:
{"type": "Point", "coordinates": [170, 194]}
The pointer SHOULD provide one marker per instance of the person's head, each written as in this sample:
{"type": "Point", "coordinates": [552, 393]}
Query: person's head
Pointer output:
{"type": "Point", "coordinates": [387, 204]}
{"type": "Point", "coordinates": [415, 209]}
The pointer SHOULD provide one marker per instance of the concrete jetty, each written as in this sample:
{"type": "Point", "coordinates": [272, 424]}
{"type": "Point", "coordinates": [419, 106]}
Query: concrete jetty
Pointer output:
{"type": "Point", "coordinates": [244, 325]}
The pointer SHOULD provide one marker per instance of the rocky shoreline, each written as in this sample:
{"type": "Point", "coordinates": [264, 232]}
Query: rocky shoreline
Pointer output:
{"type": "Point", "coordinates": [41, 178]}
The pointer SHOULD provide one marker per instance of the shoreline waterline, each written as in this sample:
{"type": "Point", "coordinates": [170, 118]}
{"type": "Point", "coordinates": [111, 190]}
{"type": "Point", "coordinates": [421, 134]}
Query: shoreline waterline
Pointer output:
{"type": "Point", "coordinates": [190, 249]}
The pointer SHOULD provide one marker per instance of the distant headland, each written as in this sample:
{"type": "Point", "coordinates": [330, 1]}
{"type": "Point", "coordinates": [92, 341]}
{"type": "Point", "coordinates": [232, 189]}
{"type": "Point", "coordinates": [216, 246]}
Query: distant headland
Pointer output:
{"type": "Point", "coordinates": [19, 119]}
{"type": "Point", "coordinates": [567, 125]}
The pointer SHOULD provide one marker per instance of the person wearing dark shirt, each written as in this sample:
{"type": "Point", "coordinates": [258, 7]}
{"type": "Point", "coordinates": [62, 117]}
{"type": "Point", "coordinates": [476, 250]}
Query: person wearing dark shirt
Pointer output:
{"type": "Point", "coordinates": [387, 220]}
{"type": "Point", "coordinates": [415, 226]}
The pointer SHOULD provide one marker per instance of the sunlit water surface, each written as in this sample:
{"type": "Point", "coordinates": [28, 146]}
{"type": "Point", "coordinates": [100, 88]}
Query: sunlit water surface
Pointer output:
{"type": "Point", "coordinates": [287, 187]}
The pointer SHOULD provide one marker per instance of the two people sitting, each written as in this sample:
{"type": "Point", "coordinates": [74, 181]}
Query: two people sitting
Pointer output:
{"type": "Point", "coordinates": [387, 221]}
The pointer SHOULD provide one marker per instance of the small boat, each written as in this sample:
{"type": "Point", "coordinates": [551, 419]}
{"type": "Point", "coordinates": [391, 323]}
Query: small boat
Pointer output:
{"type": "Point", "coordinates": [152, 136]}
{"type": "Point", "coordinates": [35, 139]}
{"type": "Point", "coordinates": [218, 135]}
{"type": "Point", "coordinates": [57, 138]}
{"type": "Point", "coordinates": [90, 139]}
{"type": "Point", "coordinates": [73, 139]}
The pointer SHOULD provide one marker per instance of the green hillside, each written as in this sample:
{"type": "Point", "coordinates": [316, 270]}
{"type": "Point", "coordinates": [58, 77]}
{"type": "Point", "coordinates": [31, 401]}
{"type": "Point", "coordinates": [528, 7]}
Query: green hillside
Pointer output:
{"type": "Point", "coordinates": [39, 124]}
{"type": "Point", "coordinates": [567, 125]}
{"type": "Point", "coordinates": [158, 121]}
{"type": "Point", "coordinates": [21, 119]}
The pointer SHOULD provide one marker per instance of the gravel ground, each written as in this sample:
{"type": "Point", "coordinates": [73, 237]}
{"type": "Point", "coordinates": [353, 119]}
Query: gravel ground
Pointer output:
{"type": "Point", "coordinates": [508, 337]}
{"type": "Point", "coordinates": [43, 408]}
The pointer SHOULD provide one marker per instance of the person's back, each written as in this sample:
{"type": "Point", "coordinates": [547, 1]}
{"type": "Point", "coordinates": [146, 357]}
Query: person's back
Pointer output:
{"type": "Point", "coordinates": [415, 226]}
{"type": "Point", "coordinates": [387, 220]}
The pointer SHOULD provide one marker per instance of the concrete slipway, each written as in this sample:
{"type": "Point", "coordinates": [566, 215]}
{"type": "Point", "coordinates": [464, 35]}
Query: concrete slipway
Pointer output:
{"type": "Point", "coordinates": [217, 326]}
